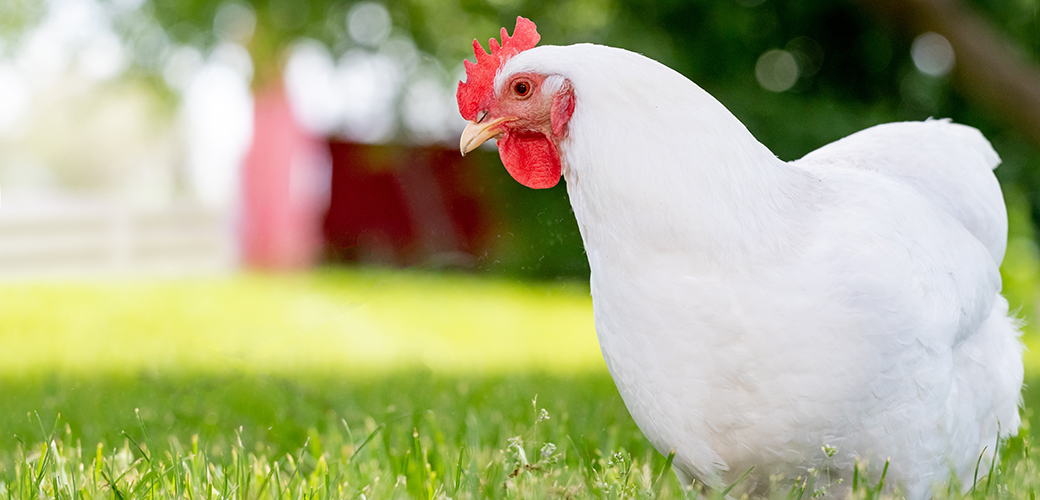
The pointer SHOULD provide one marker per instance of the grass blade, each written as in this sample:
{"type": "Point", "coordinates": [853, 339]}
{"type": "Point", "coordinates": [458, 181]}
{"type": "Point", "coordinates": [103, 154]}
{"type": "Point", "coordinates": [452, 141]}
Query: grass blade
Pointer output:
{"type": "Point", "coordinates": [975, 480]}
{"type": "Point", "coordinates": [739, 479]}
{"type": "Point", "coordinates": [458, 471]}
{"type": "Point", "coordinates": [664, 469]}
{"type": "Point", "coordinates": [367, 440]}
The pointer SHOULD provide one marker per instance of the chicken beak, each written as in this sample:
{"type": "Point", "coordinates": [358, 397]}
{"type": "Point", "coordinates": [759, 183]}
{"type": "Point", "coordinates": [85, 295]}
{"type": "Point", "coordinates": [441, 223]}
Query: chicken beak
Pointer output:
{"type": "Point", "coordinates": [476, 134]}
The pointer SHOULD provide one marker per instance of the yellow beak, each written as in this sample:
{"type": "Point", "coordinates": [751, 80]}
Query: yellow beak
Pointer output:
{"type": "Point", "coordinates": [476, 134]}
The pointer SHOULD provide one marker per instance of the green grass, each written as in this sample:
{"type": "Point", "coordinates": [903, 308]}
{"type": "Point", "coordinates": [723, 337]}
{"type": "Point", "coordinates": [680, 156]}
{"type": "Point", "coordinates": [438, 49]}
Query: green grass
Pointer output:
{"type": "Point", "coordinates": [335, 384]}
{"type": "Point", "coordinates": [334, 322]}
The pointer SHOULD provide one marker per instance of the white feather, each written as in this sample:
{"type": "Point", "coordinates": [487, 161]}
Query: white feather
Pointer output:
{"type": "Point", "coordinates": [752, 310]}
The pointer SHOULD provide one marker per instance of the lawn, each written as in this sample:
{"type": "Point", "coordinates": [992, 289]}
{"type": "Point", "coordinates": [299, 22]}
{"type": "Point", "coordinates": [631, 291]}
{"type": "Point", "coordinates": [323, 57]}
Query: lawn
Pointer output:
{"type": "Point", "coordinates": [332, 384]}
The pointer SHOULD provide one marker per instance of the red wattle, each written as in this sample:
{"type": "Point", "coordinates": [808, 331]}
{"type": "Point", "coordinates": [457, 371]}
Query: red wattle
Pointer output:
{"type": "Point", "coordinates": [532, 159]}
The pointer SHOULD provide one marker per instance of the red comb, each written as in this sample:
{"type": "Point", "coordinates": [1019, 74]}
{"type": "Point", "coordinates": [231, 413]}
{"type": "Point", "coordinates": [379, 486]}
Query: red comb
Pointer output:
{"type": "Point", "coordinates": [480, 77]}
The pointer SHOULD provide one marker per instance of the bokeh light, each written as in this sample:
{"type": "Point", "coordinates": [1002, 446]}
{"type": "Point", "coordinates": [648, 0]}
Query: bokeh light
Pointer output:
{"type": "Point", "coordinates": [932, 54]}
{"type": "Point", "coordinates": [776, 70]}
{"type": "Point", "coordinates": [369, 23]}
{"type": "Point", "coordinates": [235, 22]}
{"type": "Point", "coordinates": [139, 103]}
{"type": "Point", "coordinates": [14, 98]}
{"type": "Point", "coordinates": [218, 112]}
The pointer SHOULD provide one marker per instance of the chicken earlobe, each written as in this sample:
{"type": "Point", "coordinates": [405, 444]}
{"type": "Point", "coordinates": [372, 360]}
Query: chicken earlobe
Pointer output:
{"type": "Point", "coordinates": [562, 109]}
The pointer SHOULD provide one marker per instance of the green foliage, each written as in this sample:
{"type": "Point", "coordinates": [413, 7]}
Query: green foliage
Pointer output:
{"type": "Point", "coordinates": [539, 237]}
{"type": "Point", "coordinates": [859, 74]}
{"type": "Point", "coordinates": [854, 72]}
{"type": "Point", "coordinates": [16, 14]}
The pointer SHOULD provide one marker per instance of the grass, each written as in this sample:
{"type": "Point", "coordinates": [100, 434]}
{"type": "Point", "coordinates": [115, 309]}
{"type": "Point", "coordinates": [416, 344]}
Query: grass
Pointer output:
{"type": "Point", "coordinates": [336, 384]}
{"type": "Point", "coordinates": [336, 322]}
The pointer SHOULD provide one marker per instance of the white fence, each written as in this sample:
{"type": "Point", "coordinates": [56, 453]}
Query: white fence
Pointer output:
{"type": "Point", "coordinates": [76, 239]}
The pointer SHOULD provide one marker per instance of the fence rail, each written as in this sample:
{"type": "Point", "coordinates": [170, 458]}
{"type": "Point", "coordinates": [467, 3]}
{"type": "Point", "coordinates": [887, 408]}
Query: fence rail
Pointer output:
{"type": "Point", "coordinates": [96, 238]}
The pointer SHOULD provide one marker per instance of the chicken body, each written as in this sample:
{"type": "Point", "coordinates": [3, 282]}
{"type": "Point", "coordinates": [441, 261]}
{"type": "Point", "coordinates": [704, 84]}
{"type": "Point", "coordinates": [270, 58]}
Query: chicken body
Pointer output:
{"type": "Point", "coordinates": [752, 311]}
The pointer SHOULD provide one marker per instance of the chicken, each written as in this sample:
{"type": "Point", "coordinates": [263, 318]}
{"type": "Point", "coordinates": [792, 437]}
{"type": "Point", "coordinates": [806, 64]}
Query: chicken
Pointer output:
{"type": "Point", "coordinates": [752, 311]}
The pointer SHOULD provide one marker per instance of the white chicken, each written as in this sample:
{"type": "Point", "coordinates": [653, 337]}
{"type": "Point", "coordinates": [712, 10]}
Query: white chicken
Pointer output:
{"type": "Point", "coordinates": [753, 311]}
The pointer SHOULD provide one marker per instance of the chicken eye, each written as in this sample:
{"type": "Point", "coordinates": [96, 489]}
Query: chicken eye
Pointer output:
{"type": "Point", "coordinates": [522, 88]}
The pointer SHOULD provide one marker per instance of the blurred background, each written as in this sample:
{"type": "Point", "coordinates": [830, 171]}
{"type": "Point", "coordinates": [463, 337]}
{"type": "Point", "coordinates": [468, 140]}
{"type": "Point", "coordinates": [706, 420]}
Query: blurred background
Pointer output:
{"type": "Point", "coordinates": [297, 161]}
{"type": "Point", "coordinates": [191, 136]}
